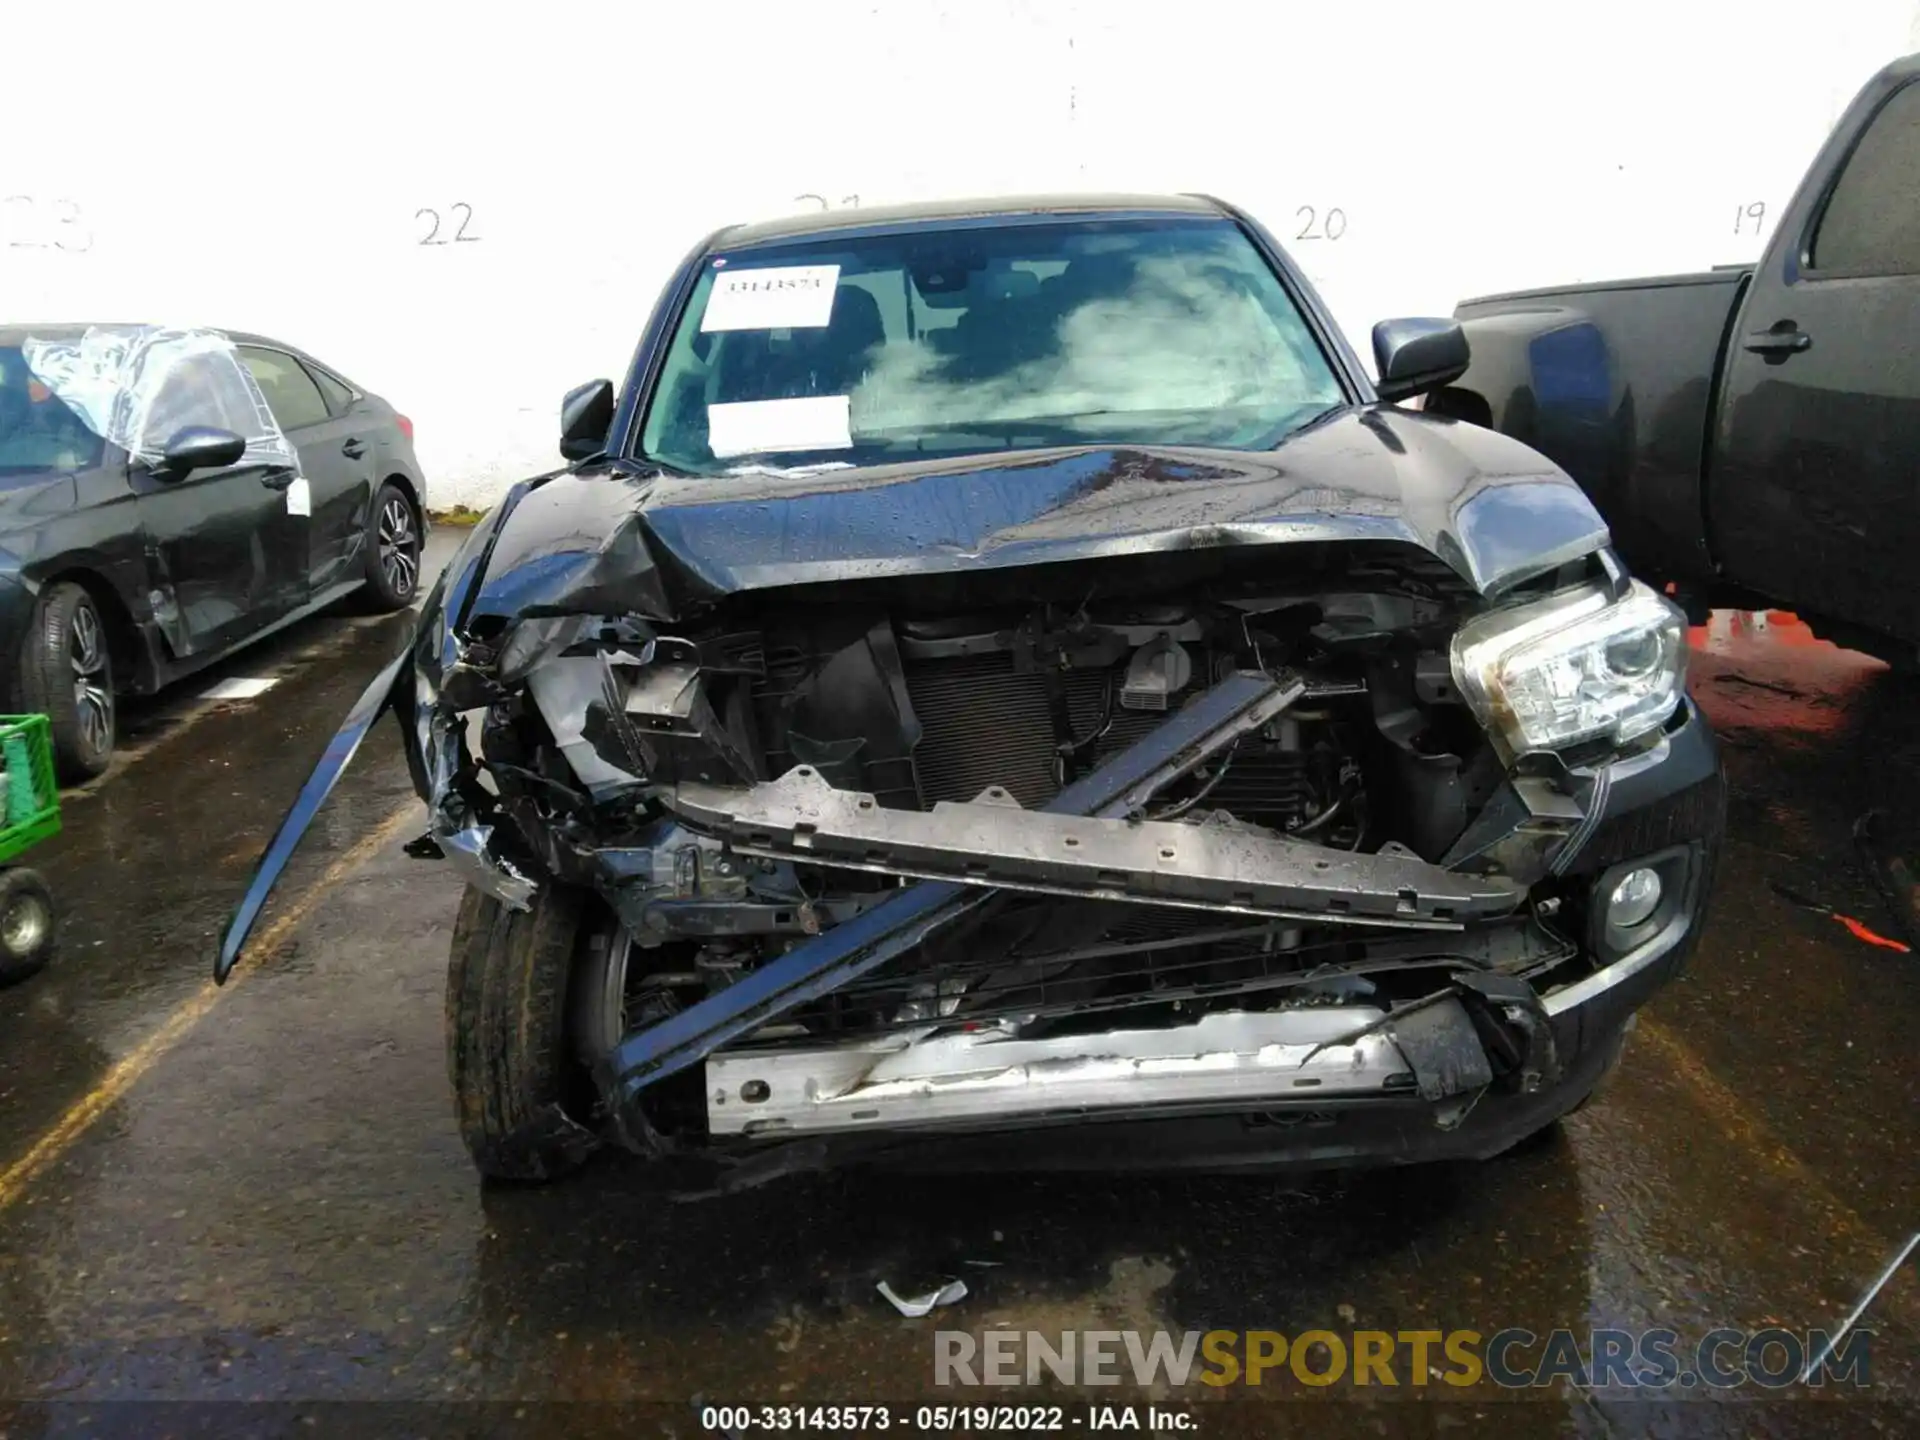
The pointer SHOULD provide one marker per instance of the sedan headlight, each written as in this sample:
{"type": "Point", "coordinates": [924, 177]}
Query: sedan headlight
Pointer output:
{"type": "Point", "coordinates": [1574, 667]}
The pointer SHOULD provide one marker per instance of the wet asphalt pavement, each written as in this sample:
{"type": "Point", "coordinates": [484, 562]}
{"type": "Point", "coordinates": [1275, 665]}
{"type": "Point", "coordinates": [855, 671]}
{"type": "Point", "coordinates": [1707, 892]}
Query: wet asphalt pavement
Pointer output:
{"type": "Point", "coordinates": [259, 1194]}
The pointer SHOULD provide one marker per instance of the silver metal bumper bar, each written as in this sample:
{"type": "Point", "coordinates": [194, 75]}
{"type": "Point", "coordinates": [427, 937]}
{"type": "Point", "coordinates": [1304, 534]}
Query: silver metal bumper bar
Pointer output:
{"type": "Point", "coordinates": [1233, 1057]}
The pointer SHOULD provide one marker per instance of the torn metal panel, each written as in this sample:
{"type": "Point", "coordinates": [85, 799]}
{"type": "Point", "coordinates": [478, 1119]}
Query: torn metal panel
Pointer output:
{"type": "Point", "coordinates": [409, 686]}
{"type": "Point", "coordinates": [1213, 721]}
{"type": "Point", "coordinates": [469, 853]}
{"type": "Point", "coordinates": [340, 750]}
{"type": "Point", "coordinates": [1234, 869]}
{"type": "Point", "coordinates": [1236, 1057]}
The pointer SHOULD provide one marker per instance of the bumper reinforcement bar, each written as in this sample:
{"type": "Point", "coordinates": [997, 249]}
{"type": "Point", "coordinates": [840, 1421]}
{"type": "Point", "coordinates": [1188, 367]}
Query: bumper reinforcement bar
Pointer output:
{"type": "Point", "coordinates": [992, 841]}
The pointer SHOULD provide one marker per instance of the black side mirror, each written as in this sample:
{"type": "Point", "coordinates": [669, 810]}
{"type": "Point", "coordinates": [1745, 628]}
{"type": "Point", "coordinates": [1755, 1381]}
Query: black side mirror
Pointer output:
{"type": "Point", "coordinates": [585, 417]}
{"type": "Point", "coordinates": [1417, 356]}
{"type": "Point", "coordinates": [199, 447]}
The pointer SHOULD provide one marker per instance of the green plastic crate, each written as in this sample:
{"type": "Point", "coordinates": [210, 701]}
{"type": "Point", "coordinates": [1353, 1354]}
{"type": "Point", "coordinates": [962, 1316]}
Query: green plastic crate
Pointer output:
{"type": "Point", "coordinates": [44, 822]}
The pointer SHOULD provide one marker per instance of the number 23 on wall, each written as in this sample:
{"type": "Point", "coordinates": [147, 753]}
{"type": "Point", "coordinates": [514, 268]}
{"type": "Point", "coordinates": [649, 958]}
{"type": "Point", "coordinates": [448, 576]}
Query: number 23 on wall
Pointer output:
{"type": "Point", "coordinates": [455, 227]}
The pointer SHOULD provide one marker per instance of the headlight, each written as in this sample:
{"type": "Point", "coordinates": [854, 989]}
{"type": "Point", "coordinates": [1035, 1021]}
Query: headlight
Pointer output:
{"type": "Point", "coordinates": [1573, 667]}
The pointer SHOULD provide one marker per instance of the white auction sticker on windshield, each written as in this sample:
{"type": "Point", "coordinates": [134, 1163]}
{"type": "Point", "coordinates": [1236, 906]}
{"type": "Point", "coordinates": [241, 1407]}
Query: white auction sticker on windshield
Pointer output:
{"type": "Point", "coordinates": [786, 297]}
{"type": "Point", "coordinates": [779, 427]}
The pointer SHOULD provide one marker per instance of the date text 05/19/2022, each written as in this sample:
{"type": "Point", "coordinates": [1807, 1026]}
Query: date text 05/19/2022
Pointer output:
{"type": "Point", "coordinates": [944, 1419]}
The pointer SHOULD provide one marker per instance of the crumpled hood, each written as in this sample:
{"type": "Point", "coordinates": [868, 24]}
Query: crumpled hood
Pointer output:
{"type": "Point", "coordinates": [1495, 511]}
{"type": "Point", "coordinates": [605, 542]}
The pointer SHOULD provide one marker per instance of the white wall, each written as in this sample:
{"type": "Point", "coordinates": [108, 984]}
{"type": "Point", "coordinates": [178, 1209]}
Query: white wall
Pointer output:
{"type": "Point", "coordinates": [263, 167]}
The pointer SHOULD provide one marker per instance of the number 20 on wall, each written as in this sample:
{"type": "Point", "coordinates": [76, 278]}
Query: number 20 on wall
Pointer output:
{"type": "Point", "coordinates": [1316, 224]}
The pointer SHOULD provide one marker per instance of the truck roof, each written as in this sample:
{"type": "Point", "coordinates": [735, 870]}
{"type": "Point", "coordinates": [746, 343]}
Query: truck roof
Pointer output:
{"type": "Point", "coordinates": [935, 212]}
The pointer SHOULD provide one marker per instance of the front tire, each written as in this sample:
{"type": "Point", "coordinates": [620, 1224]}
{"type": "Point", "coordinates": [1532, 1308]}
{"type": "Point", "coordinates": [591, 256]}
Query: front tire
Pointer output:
{"type": "Point", "coordinates": [27, 929]}
{"type": "Point", "coordinates": [66, 674]}
{"type": "Point", "coordinates": [393, 550]}
{"type": "Point", "coordinates": [509, 1053]}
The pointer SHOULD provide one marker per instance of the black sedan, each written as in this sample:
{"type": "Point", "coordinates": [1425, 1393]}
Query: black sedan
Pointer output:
{"type": "Point", "coordinates": [167, 496]}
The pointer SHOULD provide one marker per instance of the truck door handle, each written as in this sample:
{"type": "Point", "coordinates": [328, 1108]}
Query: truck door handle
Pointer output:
{"type": "Point", "coordinates": [1780, 340]}
{"type": "Point", "coordinates": [353, 449]}
{"type": "Point", "coordinates": [279, 479]}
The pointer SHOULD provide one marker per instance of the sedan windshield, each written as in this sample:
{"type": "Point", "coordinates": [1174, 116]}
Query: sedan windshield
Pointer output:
{"type": "Point", "coordinates": [38, 431]}
{"type": "Point", "coordinates": [866, 350]}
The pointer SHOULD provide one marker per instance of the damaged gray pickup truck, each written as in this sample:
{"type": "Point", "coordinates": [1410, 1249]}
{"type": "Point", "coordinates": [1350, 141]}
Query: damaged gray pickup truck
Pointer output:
{"type": "Point", "coordinates": [1000, 685]}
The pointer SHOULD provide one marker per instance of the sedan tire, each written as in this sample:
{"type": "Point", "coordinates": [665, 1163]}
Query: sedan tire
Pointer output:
{"type": "Point", "coordinates": [66, 674]}
{"type": "Point", "coordinates": [509, 1053]}
{"type": "Point", "coordinates": [393, 550]}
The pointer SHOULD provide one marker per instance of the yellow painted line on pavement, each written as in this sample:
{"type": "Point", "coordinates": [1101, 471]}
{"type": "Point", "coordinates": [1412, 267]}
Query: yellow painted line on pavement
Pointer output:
{"type": "Point", "coordinates": [1738, 1123]}
{"type": "Point", "coordinates": [126, 1072]}
{"type": "Point", "coordinates": [1837, 1219]}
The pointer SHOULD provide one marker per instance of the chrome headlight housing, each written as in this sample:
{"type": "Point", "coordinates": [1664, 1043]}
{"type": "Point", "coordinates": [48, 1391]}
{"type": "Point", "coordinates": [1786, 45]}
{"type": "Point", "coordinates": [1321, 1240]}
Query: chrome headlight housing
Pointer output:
{"type": "Point", "coordinates": [1574, 667]}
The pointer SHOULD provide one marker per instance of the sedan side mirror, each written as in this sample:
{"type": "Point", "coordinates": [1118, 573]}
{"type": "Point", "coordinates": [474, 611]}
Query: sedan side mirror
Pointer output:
{"type": "Point", "coordinates": [199, 447]}
{"type": "Point", "coordinates": [1417, 356]}
{"type": "Point", "coordinates": [586, 414]}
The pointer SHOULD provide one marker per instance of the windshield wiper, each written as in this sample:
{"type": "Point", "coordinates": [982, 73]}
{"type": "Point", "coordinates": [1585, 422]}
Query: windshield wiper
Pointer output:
{"type": "Point", "coordinates": [1294, 426]}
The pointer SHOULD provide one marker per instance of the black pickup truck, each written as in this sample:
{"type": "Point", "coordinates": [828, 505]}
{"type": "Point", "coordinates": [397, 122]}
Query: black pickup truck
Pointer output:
{"type": "Point", "coordinates": [1751, 434]}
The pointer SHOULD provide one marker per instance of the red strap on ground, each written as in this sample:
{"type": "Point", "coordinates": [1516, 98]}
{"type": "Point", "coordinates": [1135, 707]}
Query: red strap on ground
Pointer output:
{"type": "Point", "coordinates": [1861, 932]}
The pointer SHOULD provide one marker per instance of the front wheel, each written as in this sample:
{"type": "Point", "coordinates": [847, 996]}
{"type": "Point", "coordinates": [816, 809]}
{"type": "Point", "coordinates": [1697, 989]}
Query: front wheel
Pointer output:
{"type": "Point", "coordinates": [26, 924]}
{"type": "Point", "coordinates": [509, 1053]}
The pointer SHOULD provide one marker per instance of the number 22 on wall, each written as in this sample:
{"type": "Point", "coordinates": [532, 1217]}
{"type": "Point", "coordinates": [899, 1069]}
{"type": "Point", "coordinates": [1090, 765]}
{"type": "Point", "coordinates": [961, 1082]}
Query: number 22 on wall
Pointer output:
{"type": "Point", "coordinates": [453, 228]}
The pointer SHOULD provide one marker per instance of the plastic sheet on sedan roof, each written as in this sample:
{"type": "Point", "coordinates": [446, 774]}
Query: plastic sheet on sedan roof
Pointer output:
{"type": "Point", "coordinates": [137, 386]}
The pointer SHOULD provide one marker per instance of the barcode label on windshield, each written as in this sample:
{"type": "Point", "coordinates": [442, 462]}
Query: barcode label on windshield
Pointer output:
{"type": "Point", "coordinates": [789, 297]}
